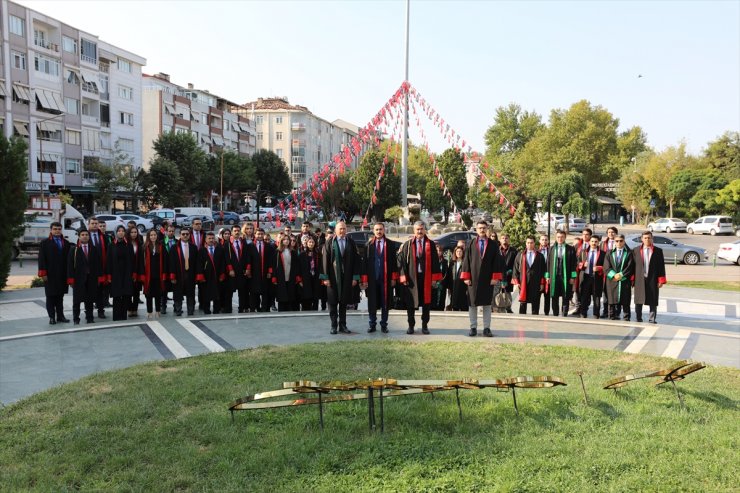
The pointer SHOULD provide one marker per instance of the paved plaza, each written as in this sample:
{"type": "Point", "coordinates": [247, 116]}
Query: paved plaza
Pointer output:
{"type": "Point", "coordinates": [692, 323]}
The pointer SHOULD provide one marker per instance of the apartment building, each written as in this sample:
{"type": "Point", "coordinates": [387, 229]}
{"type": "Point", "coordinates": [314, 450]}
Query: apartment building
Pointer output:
{"type": "Point", "coordinates": [75, 99]}
{"type": "Point", "coordinates": [301, 139]}
{"type": "Point", "coordinates": [215, 122]}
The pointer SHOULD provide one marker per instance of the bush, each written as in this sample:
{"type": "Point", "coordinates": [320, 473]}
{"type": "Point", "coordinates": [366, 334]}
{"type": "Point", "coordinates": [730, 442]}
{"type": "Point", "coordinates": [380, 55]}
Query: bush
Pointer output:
{"type": "Point", "coordinates": [37, 282]}
{"type": "Point", "coordinates": [467, 220]}
{"type": "Point", "coordinates": [394, 213]}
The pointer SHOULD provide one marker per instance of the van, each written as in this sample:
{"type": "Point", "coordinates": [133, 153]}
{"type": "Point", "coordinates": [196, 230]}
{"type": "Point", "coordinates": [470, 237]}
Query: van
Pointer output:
{"type": "Point", "coordinates": [194, 211]}
{"type": "Point", "coordinates": [162, 214]}
{"type": "Point", "coordinates": [713, 225]}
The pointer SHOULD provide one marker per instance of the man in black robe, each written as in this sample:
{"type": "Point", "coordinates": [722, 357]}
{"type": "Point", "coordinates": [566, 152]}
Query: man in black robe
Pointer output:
{"type": "Point", "coordinates": [210, 273]}
{"type": "Point", "coordinates": [260, 262]}
{"type": "Point", "coordinates": [53, 253]}
{"type": "Point", "coordinates": [198, 240]}
{"type": "Point", "coordinates": [649, 276]}
{"type": "Point", "coordinates": [561, 274]}
{"type": "Point", "coordinates": [183, 266]}
{"type": "Point", "coordinates": [619, 267]}
{"type": "Point", "coordinates": [482, 270]}
{"type": "Point", "coordinates": [508, 256]}
{"type": "Point", "coordinates": [168, 243]}
{"type": "Point", "coordinates": [418, 270]}
{"type": "Point", "coordinates": [100, 242]}
{"type": "Point", "coordinates": [380, 277]}
{"type": "Point", "coordinates": [590, 277]}
{"type": "Point", "coordinates": [84, 276]}
{"type": "Point", "coordinates": [340, 273]}
{"type": "Point", "coordinates": [529, 277]}
{"type": "Point", "coordinates": [240, 259]}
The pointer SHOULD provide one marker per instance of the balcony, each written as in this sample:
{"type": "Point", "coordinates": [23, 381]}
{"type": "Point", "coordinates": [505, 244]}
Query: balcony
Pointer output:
{"type": "Point", "coordinates": [43, 43]}
{"type": "Point", "coordinates": [299, 143]}
{"type": "Point", "coordinates": [104, 67]}
{"type": "Point", "coordinates": [297, 127]}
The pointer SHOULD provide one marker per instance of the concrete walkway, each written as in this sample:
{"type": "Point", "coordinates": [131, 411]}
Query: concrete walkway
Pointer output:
{"type": "Point", "coordinates": [693, 323]}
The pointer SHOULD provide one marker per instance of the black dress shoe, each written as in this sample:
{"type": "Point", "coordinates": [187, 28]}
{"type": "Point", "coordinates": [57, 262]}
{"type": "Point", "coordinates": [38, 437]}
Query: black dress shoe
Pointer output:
{"type": "Point", "coordinates": [52, 321]}
{"type": "Point", "coordinates": [89, 320]}
{"type": "Point", "coordinates": [639, 320]}
{"type": "Point", "coordinates": [344, 330]}
{"type": "Point", "coordinates": [207, 312]}
{"type": "Point", "coordinates": [370, 330]}
{"type": "Point", "coordinates": [77, 321]}
{"type": "Point", "coordinates": [487, 333]}
{"type": "Point", "coordinates": [101, 315]}
{"type": "Point", "coordinates": [384, 329]}
{"type": "Point", "coordinates": [652, 321]}
{"type": "Point", "coordinates": [425, 331]}
{"type": "Point", "coordinates": [178, 313]}
{"type": "Point", "coordinates": [190, 313]}
{"type": "Point", "coordinates": [473, 332]}
{"type": "Point", "coordinates": [63, 320]}
{"type": "Point", "coordinates": [410, 330]}
{"type": "Point", "coordinates": [164, 311]}
{"type": "Point", "coordinates": [333, 330]}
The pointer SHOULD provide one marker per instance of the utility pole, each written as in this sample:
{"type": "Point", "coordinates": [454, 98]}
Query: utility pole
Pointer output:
{"type": "Point", "coordinates": [405, 141]}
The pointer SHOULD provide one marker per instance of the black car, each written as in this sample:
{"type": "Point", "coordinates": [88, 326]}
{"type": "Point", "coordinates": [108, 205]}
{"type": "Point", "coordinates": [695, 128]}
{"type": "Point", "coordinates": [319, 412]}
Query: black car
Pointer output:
{"type": "Point", "coordinates": [229, 217]}
{"type": "Point", "coordinates": [449, 240]}
{"type": "Point", "coordinates": [360, 238]}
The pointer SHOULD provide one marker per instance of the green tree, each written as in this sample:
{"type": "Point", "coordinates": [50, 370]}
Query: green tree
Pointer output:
{"type": "Point", "coordinates": [511, 130]}
{"type": "Point", "coordinates": [728, 199]}
{"type": "Point", "coordinates": [165, 183]}
{"type": "Point", "coordinates": [183, 150]}
{"type": "Point", "coordinates": [365, 177]}
{"type": "Point", "coordinates": [452, 166]}
{"type": "Point", "coordinates": [238, 173]}
{"type": "Point", "coordinates": [13, 174]}
{"type": "Point", "coordinates": [340, 197]}
{"type": "Point", "coordinates": [570, 188]}
{"type": "Point", "coordinates": [723, 154]}
{"type": "Point", "coordinates": [519, 227]}
{"type": "Point", "coordinates": [271, 173]}
{"type": "Point", "coordinates": [111, 179]}
{"type": "Point", "coordinates": [658, 169]}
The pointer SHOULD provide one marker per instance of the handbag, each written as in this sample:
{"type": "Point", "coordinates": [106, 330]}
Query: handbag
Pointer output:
{"type": "Point", "coordinates": [503, 299]}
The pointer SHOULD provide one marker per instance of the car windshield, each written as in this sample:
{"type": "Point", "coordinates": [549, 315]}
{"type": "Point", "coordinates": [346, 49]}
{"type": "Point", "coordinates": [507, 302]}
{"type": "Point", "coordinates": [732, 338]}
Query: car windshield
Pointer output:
{"type": "Point", "coordinates": [676, 220]}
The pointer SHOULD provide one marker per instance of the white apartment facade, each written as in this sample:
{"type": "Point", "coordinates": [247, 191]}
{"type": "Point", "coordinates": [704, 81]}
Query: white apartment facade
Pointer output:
{"type": "Point", "coordinates": [215, 122]}
{"type": "Point", "coordinates": [74, 98]}
{"type": "Point", "coordinates": [301, 139]}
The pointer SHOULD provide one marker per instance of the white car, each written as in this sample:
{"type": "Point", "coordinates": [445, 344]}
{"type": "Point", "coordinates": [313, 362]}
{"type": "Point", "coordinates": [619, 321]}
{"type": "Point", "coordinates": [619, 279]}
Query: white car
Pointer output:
{"type": "Point", "coordinates": [143, 224]}
{"type": "Point", "coordinates": [667, 225]}
{"type": "Point", "coordinates": [713, 225]}
{"type": "Point", "coordinates": [730, 252]}
{"type": "Point", "coordinates": [264, 211]}
{"type": "Point", "coordinates": [111, 222]}
{"type": "Point", "coordinates": [575, 225]}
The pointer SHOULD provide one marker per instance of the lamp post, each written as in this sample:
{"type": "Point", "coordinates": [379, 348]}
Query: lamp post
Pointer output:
{"type": "Point", "coordinates": [41, 152]}
{"type": "Point", "coordinates": [258, 195]}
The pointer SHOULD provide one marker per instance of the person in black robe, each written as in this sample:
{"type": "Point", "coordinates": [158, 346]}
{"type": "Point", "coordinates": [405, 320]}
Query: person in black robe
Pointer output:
{"type": "Point", "coordinates": [544, 249]}
{"type": "Point", "coordinates": [482, 269]}
{"type": "Point", "coordinates": [590, 277]}
{"type": "Point", "coordinates": [340, 273]}
{"type": "Point", "coordinates": [198, 239]}
{"type": "Point", "coordinates": [418, 270]}
{"type": "Point", "coordinates": [508, 256]}
{"type": "Point", "coordinates": [53, 253]}
{"type": "Point", "coordinates": [649, 276]}
{"type": "Point", "coordinates": [607, 245]}
{"type": "Point", "coordinates": [83, 275]}
{"type": "Point", "coordinates": [456, 284]}
{"type": "Point", "coordinates": [379, 277]}
{"type": "Point", "coordinates": [310, 261]}
{"type": "Point", "coordinates": [168, 242]}
{"type": "Point", "coordinates": [137, 246]}
{"type": "Point", "coordinates": [153, 274]}
{"type": "Point", "coordinates": [286, 276]}
{"type": "Point", "coordinates": [210, 273]}
{"type": "Point", "coordinates": [561, 274]}
{"type": "Point", "coordinates": [121, 273]}
{"type": "Point", "coordinates": [261, 259]}
{"type": "Point", "coordinates": [228, 286]}
{"type": "Point", "coordinates": [439, 293]}
{"type": "Point", "coordinates": [101, 243]}
{"type": "Point", "coordinates": [619, 266]}
{"type": "Point", "coordinates": [528, 276]}
{"type": "Point", "coordinates": [239, 260]}
{"type": "Point", "coordinates": [183, 264]}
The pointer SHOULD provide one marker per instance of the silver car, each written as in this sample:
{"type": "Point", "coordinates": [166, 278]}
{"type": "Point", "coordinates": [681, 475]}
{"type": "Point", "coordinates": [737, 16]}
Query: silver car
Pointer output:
{"type": "Point", "coordinates": [672, 250]}
{"type": "Point", "coordinates": [667, 225]}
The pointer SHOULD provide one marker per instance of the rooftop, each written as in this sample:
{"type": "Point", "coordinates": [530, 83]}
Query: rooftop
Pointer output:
{"type": "Point", "coordinates": [276, 103]}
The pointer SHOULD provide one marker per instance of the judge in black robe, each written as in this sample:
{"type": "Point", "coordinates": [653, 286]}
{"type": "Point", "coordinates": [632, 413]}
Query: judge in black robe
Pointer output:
{"type": "Point", "coordinates": [528, 275]}
{"type": "Point", "coordinates": [84, 276]}
{"type": "Point", "coordinates": [340, 273]}
{"type": "Point", "coordinates": [619, 267]}
{"type": "Point", "coordinates": [210, 273]}
{"type": "Point", "coordinates": [482, 269]}
{"type": "Point", "coordinates": [53, 253]}
{"type": "Point", "coordinates": [286, 277]}
{"type": "Point", "coordinates": [228, 286]}
{"type": "Point", "coordinates": [649, 276]}
{"type": "Point", "coordinates": [439, 293]}
{"type": "Point", "coordinates": [508, 256]}
{"type": "Point", "coordinates": [121, 273]}
{"type": "Point", "coordinates": [561, 274]}
{"type": "Point", "coordinates": [239, 260]}
{"type": "Point", "coordinates": [310, 291]}
{"type": "Point", "coordinates": [261, 261]}
{"type": "Point", "coordinates": [154, 273]}
{"type": "Point", "coordinates": [418, 272]}
{"type": "Point", "coordinates": [379, 276]}
{"type": "Point", "coordinates": [183, 264]}
{"type": "Point", "coordinates": [456, 284]}
{"type": "Point", "coordinates": [590, 277]}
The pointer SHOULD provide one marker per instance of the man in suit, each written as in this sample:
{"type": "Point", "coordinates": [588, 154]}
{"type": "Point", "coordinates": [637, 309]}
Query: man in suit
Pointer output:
{"type": "Point", "coordinates": [583, 244]}
{"type": "Point", "coordinates": [619, 267]}
{"type": "Point", "coordinates": [260, 261]}
{"type": "Point", "coordinates": [561, 274]}
{"type": "Point", "coordinates": [83, 274]}
{"type": "Point", "coordinates": [100, 243]}
{"type": "Point", "coordinates": [198, 240]}
{"type": "Point", "coordinates": [340, 273]}
{"type": "Point", "coordinates": [649, 276]}
{"type": "Point", "coordinates": [544, 250]}
{"type": "Point", "coordinates": [240, 259]}
{"type": "Point", "coordinates": [607, 245]}
{"type": "Point", "coordinates": [529, 277]}
{"type": "Point", "coordinates": [183, 265]}
{"type": "Point", "coordinates": [210, 273]}
{"type": "Point", "coordinates": [53, 253]}
{"type": "Point", "coordinates": [380, 277]}
{"type": "Point", "coordinates": [590, 277]}
{"type": "Point", "coordinates": [418, 271]}
{"type": "Point", "coordinates": [168, 243]}
{"type": "Point", "coordinates": [508, 256]}
{"type": "Point", "coordinates": [482, 269]}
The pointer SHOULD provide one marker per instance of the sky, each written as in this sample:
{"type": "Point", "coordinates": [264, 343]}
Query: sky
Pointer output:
{"type": "Point", "coordinates": [344, 59]}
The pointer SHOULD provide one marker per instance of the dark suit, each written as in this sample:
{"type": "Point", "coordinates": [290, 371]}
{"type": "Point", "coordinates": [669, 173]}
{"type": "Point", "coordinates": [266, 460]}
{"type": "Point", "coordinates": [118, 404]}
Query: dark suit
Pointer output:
{"type": "Point", "coordinates": [530, 279]}
{"type": "Point", "coordinates": [619, 292]}
{"type": "Point", "coordinates": [83, 274]}
{"type": "Point", "coordinates": [380, 270]}
{"type": "Point", "coordinates": [182, 275]}
{"type": "Point", "coordinates": [590, 280]}
{"type": "Point", "coordinates": [101, 242]}
{"type": "Point", "coordinates": [561, 270]}
{"type": "Point", "coordinates": [259, 269]}
{"type": "Point", "coordinates": [53, 265]}
{"type": "Point", "coordinates": [340, 269]}
{"type": "Point", "coordinates": [209, 274]}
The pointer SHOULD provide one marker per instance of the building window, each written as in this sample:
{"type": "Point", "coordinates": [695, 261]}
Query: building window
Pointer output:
{"type": "Point", "coordinates": [46, 165]}
{"type": "Point", "coordinates": [125, 92]}
{"type": "Point", "coordinates": [278, 135]}
{"type": "Point", "coordinates": [124, 65]}
{"type": "Point", "coordinates": [127, 145]}
{"type": "Point", "coordinates": [72, 105]}
{"type": "Point", "coordinates": [72, 77]}
{"type": "Point", "coordinates": [260, 136]}
{"type": "Point", "coordinates": [90, 140]}
{"type": "Point", "coordinates": [49, 133]}
{"type": "Point", "coordinates": [105, 140]}
{"type": "Point", "coordinates": [180, 130]}
{"type": "Point", "coordinates": [89, 52]}
{"type": "Point", "coordinates": [19, 59]}
{"type": "Point", "coordinates": [46, 65]}
{"type": "Point", "coordinates": [258, 120]}
{"type": "Point", "coordinates": [69, 45]}
{"type": "Point", "coordinates": [17, 25]}
{"type": "Point", "coordinates": [73, 166]}
{"type": "Point", "coordinates": [278, 120]}
{"type": "Point", "coordinates": [126, 118]}
{"type": "Point", "coordinates": [279, 153]}
{"type": "Point", "coordinates": [73, 137]}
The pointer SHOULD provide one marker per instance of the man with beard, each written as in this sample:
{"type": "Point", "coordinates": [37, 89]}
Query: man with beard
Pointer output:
{"type": "Point", "coordinates": [529, 277]}
{"type": "Point", "coordinates": [482, 269]}
{"type": "Point", "coordinates": [53, 253]}
{"type": "Point", "coordinates": [261, 259]}
{"type": "Point", "coordinates": [382, 273]}
{"type": "Point", "coordinates": [340, 273]}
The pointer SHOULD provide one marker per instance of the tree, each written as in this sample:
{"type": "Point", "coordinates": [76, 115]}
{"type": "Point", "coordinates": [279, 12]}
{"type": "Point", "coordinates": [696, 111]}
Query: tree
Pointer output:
{"type": "Point", "coordinates": [452, 166]}
{"type": "Point", "coordinates": [728, 199]}
{"type": "Point", "coordinates": [238, 173]}
{"type": "Point", "coordinates": [190, 160]}
{"type": "Point", "coordinates": [271, 173]}
{"type": "Point", "coordinates": [113, 178]}
{"type": "Point", "coordinates": [659, 167]}
{"type": "Point", "coordinates": [13, 175]}
{"type": "Point", "coordinates": [570, 188]}
{"type": "Point", "coordinates": [519, 227]}
{"type": "Point", "coordinates": [340, 197]}
{"type": "Point", "coordinates": [511, 130]}
{"type": "Point", "coordinates": [394, 213]}
{"type": "Point", "coordinates": [365, 178]}
{"type": "Point", "coordinates": [723, 154]}
{"type": "Point", "coordinates": [166, 183]}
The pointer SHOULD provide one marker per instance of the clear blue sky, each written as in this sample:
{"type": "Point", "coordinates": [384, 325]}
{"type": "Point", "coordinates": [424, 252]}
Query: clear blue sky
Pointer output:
{"type": "Point", "coordinates": [343, 59]}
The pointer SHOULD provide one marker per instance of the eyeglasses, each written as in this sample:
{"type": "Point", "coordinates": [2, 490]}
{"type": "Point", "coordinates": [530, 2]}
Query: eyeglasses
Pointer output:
{"type": "Point", "coordinates": [185, 234]}
{"type": "Point", "coordinates": [618, 241]}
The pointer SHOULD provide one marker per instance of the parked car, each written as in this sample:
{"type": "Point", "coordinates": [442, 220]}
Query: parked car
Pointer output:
{"type": "Point", "coordinates": [159, 215]}
{"type": "Point", "coordinates": [730, 251]}
{"type": "Point", "coordinates": [713, 225]}
{"type": "Point", "coordinates": [541, 220]}
{"type": "Point", "coordinates": [112, 221]}
{"type": "Point", "coordinates": [449, 240]}
{"type": "Point", "coordinates": [689, 255]}
{"type": "Point", "coordinates": [575, 225]}
{"type": "Point", "coordinates": [208, 223]}
{"type": "Point", "coordinates": [179, 219]}
{"type": "Point", "coordinates": [667, 225]}
{"type": "Point", "coordinates": [228, 217]}
{"type": "Point", "coordinates": [264, 212]}
{"type": "Point", "coordinates": [360, 238]}
{"type": "Point", "coordinates": [142, 223]}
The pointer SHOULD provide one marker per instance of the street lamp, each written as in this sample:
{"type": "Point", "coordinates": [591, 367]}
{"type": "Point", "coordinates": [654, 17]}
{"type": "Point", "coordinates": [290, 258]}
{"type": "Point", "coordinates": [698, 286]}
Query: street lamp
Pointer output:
{"type": "Point", "coordinates": [258, 195]}
{"type": "Point", "coordinates": [41, 151]}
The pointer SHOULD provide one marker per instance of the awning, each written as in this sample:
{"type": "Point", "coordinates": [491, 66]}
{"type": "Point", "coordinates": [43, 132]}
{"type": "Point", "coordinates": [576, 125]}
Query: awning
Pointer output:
{"type": "Point", "coordinates": [82, 190]}
{"type": "Point", "coordinates": [21, 92]}
{"type": "Point", "coordinates": [194, 117]}
{"type": "Point", "coordinates": [244, 127]}
{"type": "Point", "coordinates": [89, 79]}
{"type": "Point", "coordinates": [206, 139]}
{"type": "Point", "coordinates": [22, 129]}
{"type": "Point", "coordinates": [170, 108]}
{"type": "Point", "coordinates": [601, 199]}
{"type": "Point", "coordinates": [48, 127]}
{"type": "Point", "coordinates": [49, 100]}
{"type": "Point", "coordinates": [2, 88]}
{"type": "Point", "coordinates": [53, 158]}
{"type": "Point", "coordinates": [218, 140]}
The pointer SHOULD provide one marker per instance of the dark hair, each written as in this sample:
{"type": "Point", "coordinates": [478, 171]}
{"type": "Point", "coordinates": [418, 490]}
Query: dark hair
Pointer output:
{"type": "Point", "coordinates": [484, 223]}
{"type": "Point", "coordinates": [55, 224]}
{"type": "Point", "coordinates": [647, 232]}
{"type": "Point", "coordinates": [559, 231]}
{"type": "Point", "coordinates": [598, 238]}
{"type": "Point", "coordinates": [612, 228]}
{"type": "Point", "coordinates": [308, 223]}
{"type": "Point", "coordinates": [588, 230]}
{"type": "Point", "coordinates": [236, 226]}
{"type": "Point", "coordinates": [260, 230]}
{"type": "Point", "coordinates": [210, 233]}
{"type": "Point", "coordinates": [531, 238]}
{"type": "Point", "coordinates": [148, 242]}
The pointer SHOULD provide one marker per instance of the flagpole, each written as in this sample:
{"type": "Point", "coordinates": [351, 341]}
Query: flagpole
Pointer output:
{"type": "Point", "coordinates": [404, 141]}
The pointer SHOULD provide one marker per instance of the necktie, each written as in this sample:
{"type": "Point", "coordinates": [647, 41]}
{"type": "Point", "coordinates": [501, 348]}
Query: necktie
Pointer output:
{"type": "Point", "coordinates": [529, 258]}
{"type": "Point", "coordinates": [619, 257]}
{"type": "Point", "coordinates": [611, 244]}
{"type": "Point", "coordinates": [59, 242]}
{"type": "Point", "coordinates": [186, 252]}
{"type": "Point", "coordinates": [95, 239]}
{"type": "Point", "coordinates": [84, 249]}
{"type": "Point", "coordinates": [341, 246]}
{"type": "Point", "coordinates": [211, 250]}
{"type": "Point", "coordinates": [481, 246]}
{"type": "Point", "coordinates": [419, 251]}
{"type": "Point", "coordinates": [380, 248]}
{"type": "Point", "coordinates": [646, 253]}
{"type": "Point", "coordinates": [259, 247]}
{"type": "Point", "coordinates": [236, 244]}
{"type": "Point", "coordinates": [591, 262]}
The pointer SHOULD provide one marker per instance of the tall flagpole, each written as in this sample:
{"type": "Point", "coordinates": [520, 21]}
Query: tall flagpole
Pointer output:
{"type": "Point", "coordinates": [405, 141]}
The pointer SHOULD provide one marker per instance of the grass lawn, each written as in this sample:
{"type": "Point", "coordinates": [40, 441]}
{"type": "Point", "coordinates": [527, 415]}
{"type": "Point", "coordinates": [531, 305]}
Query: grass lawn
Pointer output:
{"type": "Point", "coordinates": [720, 285]}
{"type": "Point", "coordinates": [165, 426]}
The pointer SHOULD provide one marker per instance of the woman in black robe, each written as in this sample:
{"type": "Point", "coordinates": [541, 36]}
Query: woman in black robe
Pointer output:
{"type": "Point", "coordinates": [458, 288]}
{"type": "Point", "coordinates": [310, 269]}
{"type": "Point", "coordinates": [121, 273]}
{"type": "Point", "coordinates": [137, 246]}
{"type": "Point", "coordinates": [153, 275]}
{"type": "Point", "coordinates": [286, 276]}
